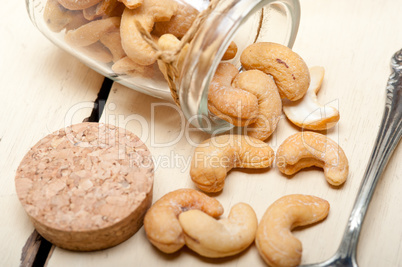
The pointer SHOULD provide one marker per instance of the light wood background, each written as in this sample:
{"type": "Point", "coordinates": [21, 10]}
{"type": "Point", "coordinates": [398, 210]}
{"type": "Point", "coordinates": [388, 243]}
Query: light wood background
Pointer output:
{"type": "Point", "coordinates": [39, 85]}
{"type": "Point", "coordinates": [353, 40]}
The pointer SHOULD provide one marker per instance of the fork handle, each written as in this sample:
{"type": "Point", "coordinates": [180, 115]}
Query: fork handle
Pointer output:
{"type": "Point", "coordinates": [387, 139]}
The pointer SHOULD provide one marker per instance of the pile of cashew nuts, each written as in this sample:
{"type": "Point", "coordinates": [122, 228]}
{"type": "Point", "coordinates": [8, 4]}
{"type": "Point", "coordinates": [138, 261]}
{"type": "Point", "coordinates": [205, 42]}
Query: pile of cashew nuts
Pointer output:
{"type": "Point", "coordinates": [192, 218]}
{"type": "Point", "coordinates": [272, 78]}
{"type": "Point", "coordinates": [189, 217]}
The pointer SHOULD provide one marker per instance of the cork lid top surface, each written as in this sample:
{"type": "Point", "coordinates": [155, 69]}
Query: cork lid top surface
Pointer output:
{"type": "Point", "coordinates": [85, 177]}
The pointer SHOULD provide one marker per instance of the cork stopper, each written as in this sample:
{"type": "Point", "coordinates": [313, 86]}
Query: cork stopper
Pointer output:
{"type": "Point", "coordinates": [86, 187]}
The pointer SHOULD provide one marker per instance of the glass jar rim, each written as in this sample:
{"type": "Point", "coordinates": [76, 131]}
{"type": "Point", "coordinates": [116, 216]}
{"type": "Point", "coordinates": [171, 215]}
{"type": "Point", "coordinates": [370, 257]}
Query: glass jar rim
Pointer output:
{"type": "Point", "coordinates": [208, 47]}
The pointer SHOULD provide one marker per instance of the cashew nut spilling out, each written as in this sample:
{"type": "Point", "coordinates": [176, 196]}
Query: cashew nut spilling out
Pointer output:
{"type": "Point", "coordinates": [219, 238]}
{"type": "Point", "coordinates": [307, 149]}
{"type": "Point", "coordinates": [307, 113]}
{"type": "Point", "coordinates": [269, 102]}
{"type": "Point", "coordinates": [229, 103]}
{"type": "Point", "coordinates": [151, 11]}
{"type": "Point", "coordinates": [215, 157]}
{"type": "Point", "coordinates": [161, 222]}
{"type": "Point", "coordinates": [274, 239]}
{"type": "Point", "coordinates": [288, 69]}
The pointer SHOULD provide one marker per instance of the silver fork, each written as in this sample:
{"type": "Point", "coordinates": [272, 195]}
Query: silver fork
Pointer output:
{"type": "Point", "coordinates": [387, 139]}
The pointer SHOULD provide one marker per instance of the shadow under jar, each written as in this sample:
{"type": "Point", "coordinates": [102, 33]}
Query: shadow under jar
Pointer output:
{"type": "Point", "coordinates": [92, 31]}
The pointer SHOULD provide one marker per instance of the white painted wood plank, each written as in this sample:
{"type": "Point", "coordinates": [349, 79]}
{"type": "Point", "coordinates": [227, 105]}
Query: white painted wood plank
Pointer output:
{"type": "Point", "coordinates": [354, 42]}
{"type": "Point", "coordinates": [40, 84]}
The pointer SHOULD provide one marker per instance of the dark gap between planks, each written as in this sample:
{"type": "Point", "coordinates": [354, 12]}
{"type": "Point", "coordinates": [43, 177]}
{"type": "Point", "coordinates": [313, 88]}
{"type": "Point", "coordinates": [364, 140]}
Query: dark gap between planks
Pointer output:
{"type": "Point", "coordinates": [100, 101]}
{"type": "Point", "coordinates": [37, 250]}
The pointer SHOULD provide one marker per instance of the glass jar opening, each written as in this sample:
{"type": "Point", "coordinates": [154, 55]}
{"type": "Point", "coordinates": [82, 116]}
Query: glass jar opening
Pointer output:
{"type": "Point", "coordinates": [244, 22]}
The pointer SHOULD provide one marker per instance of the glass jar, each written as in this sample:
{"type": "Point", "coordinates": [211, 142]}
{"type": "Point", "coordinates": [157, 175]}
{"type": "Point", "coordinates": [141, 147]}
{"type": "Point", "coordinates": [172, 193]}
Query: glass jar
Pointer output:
{"type": "Point", "coordinates": [242, 21]}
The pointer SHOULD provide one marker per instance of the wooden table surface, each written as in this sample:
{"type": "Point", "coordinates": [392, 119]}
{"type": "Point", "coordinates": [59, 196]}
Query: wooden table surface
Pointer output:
{"type": "Point", "coordinates": [44, 88]}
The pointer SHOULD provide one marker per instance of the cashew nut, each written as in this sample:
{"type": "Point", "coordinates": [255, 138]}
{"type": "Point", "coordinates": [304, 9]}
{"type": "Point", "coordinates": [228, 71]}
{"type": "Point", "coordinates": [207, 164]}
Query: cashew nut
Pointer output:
{"type": "Point", "coordinates": [132, 4]}
{"type": "Point", "coordinates": [229, 103]}
{"type": "Point", "coordinates": [288, 69]}
{"type": "Point", "coordinates": [90, 12]}
{"type": "Point", "coordinates": [230, 52]}
{"type": "Point", "coordinates": [307, 113]}
{"type": "Point", "coordinates": [56, 16]}
{"type": "Point", "coordinates": [215, 157]}
{"type": "Point", "coordinates": [274, 240]}
{"type": "Point", "coordinates": [112, 41]}
{"type": "Point", "coordinates": [150, 12]}
{"type": "Point", "coordinates": [77, 21]}
{"type": "Point", "coordinates": [98, 52]}
{"type": "Point", "coordinates": [126, 66]}
{"type": "Point", "coordinates": [307, 149]}
{"type": "Point", "coordinates": [169, 42]}
{"type": "Point", "coordinates": [103, 8]}
{"type": "Point", "coordinates": [179, 24]}
{"type": "Point", "coordinates": [219, 238]}
{"type": "Point", "coordinates": [78, 5]}
{"type": "Point", "coordinates": [92, 31]}
{"type": "Point", "coordinates": [161, 221]}
{"type": "Point", "coordinates": [269, 102]}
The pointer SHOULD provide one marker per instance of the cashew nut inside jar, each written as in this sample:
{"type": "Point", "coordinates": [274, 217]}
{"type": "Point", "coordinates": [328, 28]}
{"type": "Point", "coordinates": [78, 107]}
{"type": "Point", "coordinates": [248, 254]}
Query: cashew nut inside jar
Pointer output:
{"type": "Point", "coordinates": [120, 40]}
